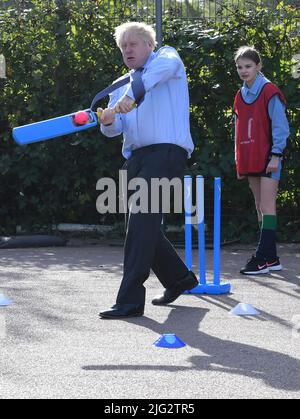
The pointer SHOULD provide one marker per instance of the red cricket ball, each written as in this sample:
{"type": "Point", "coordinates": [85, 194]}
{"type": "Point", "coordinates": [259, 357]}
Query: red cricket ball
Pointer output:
{"type": "Point", "coordinates": [81, 118]}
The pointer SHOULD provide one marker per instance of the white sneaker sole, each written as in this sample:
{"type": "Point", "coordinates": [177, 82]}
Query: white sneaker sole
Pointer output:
{"type": "Point", "coordinates": [262, 271]}
{"type": "Point", "coordinates": [275, 268]}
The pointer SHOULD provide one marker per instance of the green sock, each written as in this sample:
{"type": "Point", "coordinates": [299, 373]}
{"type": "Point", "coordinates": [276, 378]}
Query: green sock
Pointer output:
{"type": "Point", "coordinates": [269, 222]}
{"type": "Point", "coordinates": [267, 244]}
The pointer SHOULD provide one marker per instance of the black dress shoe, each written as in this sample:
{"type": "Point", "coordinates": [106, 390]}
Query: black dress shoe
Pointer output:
{"type": "Point", "coordinates": [121, 311]}
{"type": "Point", "coordinates": [171, 294]}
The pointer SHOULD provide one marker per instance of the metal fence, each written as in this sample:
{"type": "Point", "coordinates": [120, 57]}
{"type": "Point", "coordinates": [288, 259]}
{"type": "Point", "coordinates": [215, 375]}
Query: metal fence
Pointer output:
{"type": "Point", "coordinates": [181, 9]}
{"type": "Point", "coordinates": [149, 10]}
{"type": "Point", "coordinates": [186, 10]}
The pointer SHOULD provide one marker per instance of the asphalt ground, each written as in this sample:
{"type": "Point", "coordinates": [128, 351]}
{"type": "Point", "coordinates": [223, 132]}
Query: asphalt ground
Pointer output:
{"type": "Point", "coordinates": [54, 346]}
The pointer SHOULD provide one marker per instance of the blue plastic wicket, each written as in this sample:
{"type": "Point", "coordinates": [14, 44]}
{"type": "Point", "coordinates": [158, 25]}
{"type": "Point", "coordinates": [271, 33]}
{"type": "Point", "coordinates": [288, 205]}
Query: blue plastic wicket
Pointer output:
{"type": "Point", "coordinates": [188, 221]}
{"type": "Point", "coordinates": [203, 287]}
{"type": "Point", "coordinates": [201, 229]}
{"type": "Point", "coordinates": [217, 229]}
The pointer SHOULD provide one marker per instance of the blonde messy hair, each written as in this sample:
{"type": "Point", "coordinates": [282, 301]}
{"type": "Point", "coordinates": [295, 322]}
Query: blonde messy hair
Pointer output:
{"type": "Point", "coordinates": [143, 31]}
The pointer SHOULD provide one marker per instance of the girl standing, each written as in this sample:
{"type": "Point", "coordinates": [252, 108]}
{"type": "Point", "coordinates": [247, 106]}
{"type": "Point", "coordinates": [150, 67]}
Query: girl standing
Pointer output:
{"type": "Point", "coordinates": [261, 133]}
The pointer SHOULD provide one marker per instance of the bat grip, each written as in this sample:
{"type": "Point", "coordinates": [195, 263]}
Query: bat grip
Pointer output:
{"type": "Point", "coordinates": [98, 113]}
{"type": "Point", "coordinates": [115, 110]}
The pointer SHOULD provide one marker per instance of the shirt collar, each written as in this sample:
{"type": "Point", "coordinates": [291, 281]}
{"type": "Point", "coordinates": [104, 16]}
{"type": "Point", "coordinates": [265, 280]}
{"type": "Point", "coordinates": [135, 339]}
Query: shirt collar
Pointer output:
{"type": "Point", "coordinates": [150, 58]}
{"type": "Point", "coordinates": [254, 89]}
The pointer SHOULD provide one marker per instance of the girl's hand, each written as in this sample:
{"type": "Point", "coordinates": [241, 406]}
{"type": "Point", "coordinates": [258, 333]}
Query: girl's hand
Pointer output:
{"type": "Point", "coordinates": [240, 177]}
{"type": "Point", "coordinates": [273, 164]}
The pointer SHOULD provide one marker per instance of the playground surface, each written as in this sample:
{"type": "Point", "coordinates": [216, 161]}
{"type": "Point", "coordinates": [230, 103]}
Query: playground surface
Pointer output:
{"type": "Point", "coordinates": [53, 345]}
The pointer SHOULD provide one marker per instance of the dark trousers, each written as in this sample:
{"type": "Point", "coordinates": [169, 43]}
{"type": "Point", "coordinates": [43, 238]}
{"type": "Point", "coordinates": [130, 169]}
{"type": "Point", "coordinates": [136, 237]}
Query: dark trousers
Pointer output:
{"type": "Point", "coordinates": [146, 246]}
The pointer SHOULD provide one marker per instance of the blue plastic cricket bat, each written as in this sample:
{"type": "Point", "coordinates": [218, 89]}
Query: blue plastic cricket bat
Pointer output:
{"type": "Point", "coordinates": [63, 125]}
{"type": "Point", "coordinates": [51, 128]}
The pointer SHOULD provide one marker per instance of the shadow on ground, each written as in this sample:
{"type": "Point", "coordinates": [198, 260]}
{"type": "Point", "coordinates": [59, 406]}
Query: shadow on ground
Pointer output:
{"type": "Point", "coordinates": [277, 370]}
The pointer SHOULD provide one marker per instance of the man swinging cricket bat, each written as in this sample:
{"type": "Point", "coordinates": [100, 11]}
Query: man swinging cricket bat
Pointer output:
{"type": "Point", "coordinates": [67, 124]}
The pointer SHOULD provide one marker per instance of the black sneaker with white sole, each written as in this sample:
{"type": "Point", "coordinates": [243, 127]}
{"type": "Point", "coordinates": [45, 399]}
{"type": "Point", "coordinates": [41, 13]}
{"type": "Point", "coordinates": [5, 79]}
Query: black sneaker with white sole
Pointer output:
{"type": "Point", "coordinates": [255, 266]}
{"type": "Point", "coordinates": [274, 264]}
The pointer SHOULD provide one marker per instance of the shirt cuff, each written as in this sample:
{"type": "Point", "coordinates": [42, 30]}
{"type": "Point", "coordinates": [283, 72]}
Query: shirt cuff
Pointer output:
{"type": "Point", "coordinates": [276, 149]}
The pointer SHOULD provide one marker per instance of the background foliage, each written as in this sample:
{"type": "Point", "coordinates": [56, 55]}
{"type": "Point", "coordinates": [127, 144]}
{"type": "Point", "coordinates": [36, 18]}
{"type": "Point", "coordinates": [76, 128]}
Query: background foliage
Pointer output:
{"type": "Point", "coordinates": [59, 54]}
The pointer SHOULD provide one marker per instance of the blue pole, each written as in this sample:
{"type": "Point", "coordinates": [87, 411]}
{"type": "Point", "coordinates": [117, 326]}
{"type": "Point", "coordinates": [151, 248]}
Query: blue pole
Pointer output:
{"type": "Point", "coordinates": [217, 230]}
{"type": "Point", "coordinates": [201, 229]}
{"type": "Point", "coordinates": [188, 221]}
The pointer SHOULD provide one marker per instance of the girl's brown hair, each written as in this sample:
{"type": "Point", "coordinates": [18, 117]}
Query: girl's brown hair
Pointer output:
{"type": "Point", "coordinates": [249, 53]}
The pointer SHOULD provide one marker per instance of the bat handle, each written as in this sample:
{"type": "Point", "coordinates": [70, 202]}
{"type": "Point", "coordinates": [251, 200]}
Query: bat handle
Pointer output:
{"type": "Point", "coordinates": [98, 113]}
{"type": "Point", "coordinates": [115, 110]}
